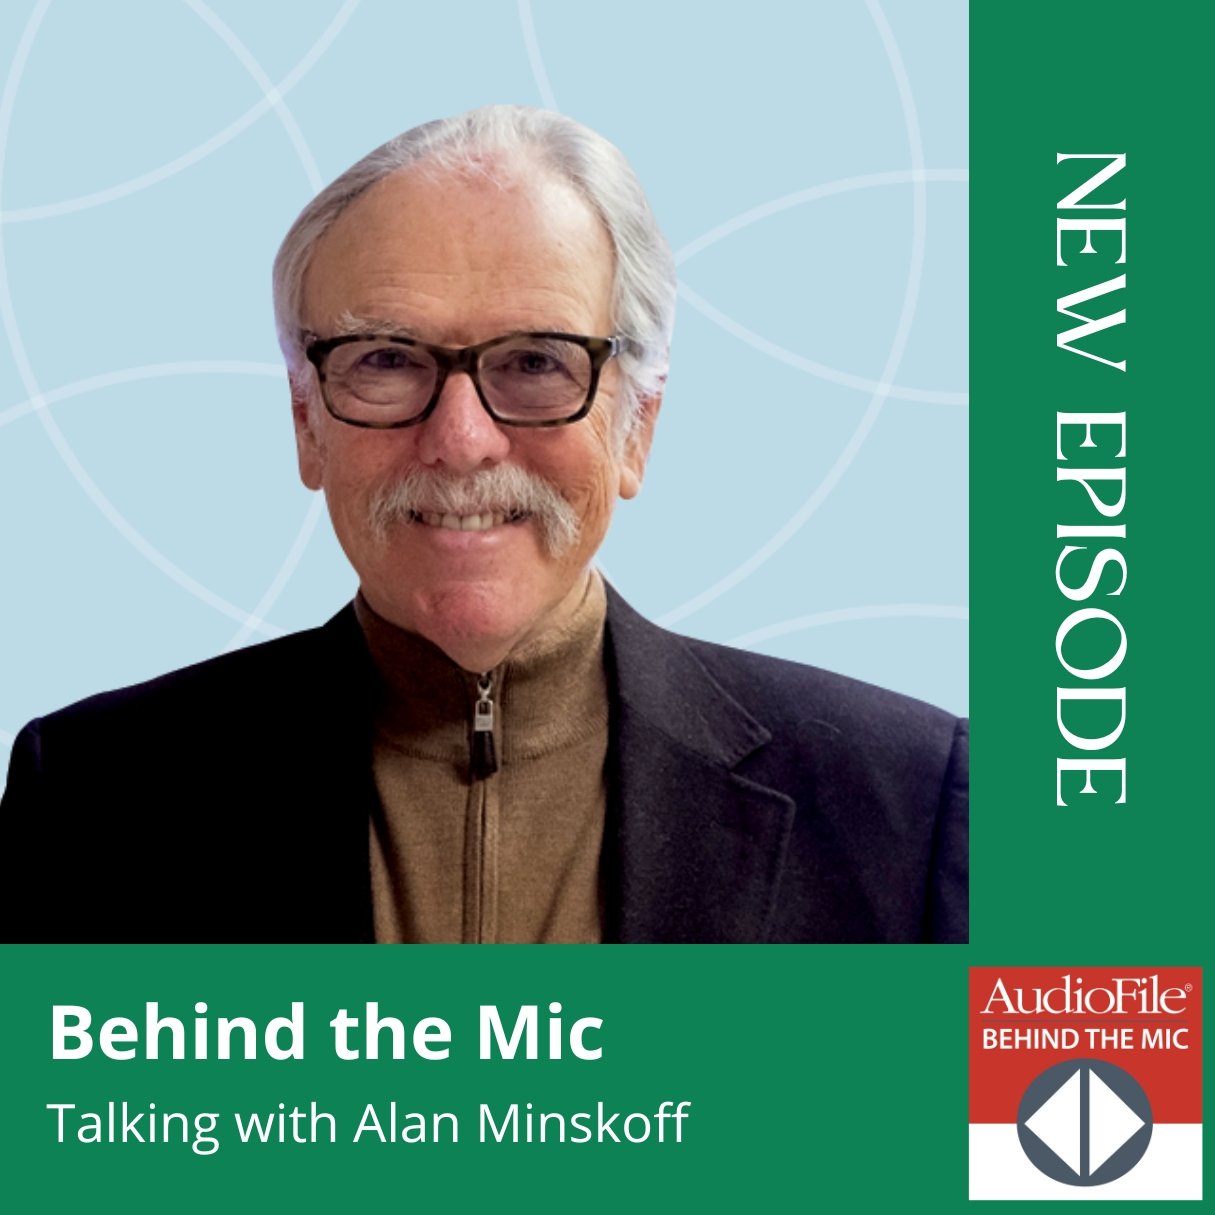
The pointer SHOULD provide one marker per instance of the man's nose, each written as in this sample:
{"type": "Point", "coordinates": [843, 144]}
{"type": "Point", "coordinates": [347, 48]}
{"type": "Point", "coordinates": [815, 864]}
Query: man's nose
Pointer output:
{"type": "Point", "coordinates": [460, 434]}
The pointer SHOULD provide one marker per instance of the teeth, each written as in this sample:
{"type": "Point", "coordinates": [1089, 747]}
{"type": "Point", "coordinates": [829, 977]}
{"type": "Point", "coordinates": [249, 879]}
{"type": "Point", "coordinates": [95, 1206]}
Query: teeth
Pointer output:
{"type": "Point", "coordinates": [463, 523]}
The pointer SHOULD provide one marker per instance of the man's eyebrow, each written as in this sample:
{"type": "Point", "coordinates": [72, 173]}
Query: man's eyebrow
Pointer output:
{"type": "Point", "coordinates": [347, 323]}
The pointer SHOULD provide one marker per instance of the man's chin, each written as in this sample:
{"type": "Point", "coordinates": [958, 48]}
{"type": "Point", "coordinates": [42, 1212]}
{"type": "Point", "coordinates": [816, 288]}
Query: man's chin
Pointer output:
{"type": "Point", "coordinates": [472, 636]}
{"type": "Point", "coordinates": [478, 623]}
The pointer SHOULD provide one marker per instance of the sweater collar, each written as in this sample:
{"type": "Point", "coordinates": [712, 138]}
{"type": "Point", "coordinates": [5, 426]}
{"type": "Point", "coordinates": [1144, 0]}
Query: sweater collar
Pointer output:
{"type": "Point", "coordinates": [549, 692]}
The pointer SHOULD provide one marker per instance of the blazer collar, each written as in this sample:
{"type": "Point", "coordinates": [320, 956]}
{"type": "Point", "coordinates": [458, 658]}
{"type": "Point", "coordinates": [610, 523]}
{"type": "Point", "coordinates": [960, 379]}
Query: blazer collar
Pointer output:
{"type": "Point", "coordinates": [693, 849]}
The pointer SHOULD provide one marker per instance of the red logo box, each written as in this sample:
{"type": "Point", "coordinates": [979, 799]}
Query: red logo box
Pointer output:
{"type": "Point", "coordinates": [1024, 1020]}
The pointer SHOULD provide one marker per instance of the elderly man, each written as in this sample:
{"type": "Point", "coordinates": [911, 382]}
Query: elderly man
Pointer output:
{"type": "Point", "coordinates": [488, 744]}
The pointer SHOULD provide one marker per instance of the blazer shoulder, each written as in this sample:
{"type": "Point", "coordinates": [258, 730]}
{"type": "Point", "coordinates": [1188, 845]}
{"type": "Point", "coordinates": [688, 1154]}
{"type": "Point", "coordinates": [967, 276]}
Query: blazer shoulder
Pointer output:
{"type": "Point", "coordinates": [778, 690]}
{"type": "Point", "coordinates": [801, 707]}
{"type": "Point", "coordinates": [247, 681]}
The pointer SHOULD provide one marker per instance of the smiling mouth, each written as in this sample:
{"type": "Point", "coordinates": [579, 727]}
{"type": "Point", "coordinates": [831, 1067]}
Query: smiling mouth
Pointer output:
{"type": "Point", "coordinates": [466, 523]}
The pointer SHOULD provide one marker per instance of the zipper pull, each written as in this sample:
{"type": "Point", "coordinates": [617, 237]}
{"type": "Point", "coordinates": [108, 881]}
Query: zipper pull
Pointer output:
{"type": "Point", "coordinates": [484, 757]}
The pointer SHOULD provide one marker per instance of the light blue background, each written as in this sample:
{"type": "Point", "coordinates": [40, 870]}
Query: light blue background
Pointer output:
{"type": "Point", "coordinates": [807, 492]}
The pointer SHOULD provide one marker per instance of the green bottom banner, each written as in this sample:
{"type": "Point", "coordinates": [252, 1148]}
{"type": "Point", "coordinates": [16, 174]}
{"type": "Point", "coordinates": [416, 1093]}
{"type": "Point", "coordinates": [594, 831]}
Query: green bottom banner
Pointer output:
{"type": "Point", "coordinates": [590, 1078]}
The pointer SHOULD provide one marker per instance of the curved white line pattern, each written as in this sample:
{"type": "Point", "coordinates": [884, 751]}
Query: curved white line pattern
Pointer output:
{"type": "Point", "coordinates": [202, 150]}
{"type": "Point", "coordinates": [270, 94]}
{"type": "Point", "coordinates": [256, 621]}
{"type": "Point", "coordinates": [843, 185]}
{"type": "Point", "coordinates": [131, 375]}
{"type": "Point", "coordinates": [109, 512]}
{"type": "Point", "coordinates": [877, 611]}
{"type": "Point", "coordinates": [820, 371]}
{"type": "Point", "coordinates": [895, 356]}
{"type": "Point", "coordinates": [36, 399]}
{"type": "Point", "coordinates": [531, 42]}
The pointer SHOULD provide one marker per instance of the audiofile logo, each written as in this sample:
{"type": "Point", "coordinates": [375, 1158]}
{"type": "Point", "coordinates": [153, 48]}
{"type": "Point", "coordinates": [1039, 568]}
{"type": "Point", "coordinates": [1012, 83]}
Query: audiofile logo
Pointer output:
{"type": "Point", "coordinates": [1085, 1077]}
{"type": "Point", "coordinates": [1143, 995]}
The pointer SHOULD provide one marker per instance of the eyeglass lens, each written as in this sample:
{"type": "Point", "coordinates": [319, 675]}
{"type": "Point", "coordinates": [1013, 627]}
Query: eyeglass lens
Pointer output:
{"type": "Point", "coordinates": [523, 378]}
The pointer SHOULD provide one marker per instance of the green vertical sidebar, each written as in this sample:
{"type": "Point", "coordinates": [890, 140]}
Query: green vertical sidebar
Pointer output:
{"type": "Point", "coordinates": [1094, 881]}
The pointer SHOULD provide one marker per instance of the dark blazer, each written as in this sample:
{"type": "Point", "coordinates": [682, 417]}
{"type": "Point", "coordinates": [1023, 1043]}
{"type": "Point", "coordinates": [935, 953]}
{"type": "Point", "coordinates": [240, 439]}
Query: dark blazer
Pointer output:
{"type": "Point", "coordinates": [750, 799]}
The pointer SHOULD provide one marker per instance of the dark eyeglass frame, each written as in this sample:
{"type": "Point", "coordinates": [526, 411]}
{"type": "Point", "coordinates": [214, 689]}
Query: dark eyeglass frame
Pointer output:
{"type": "Point", "coordinates": [466, 359]}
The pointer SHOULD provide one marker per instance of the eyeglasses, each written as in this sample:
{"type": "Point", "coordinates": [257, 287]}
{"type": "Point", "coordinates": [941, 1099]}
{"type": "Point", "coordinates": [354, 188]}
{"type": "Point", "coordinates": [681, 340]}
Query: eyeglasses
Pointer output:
{"type": "Point", "coordinates": [522, 379]}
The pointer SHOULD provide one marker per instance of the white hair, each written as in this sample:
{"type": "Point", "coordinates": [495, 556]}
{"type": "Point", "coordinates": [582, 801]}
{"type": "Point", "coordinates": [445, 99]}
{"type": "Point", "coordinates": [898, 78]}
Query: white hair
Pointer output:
{"type": "Point", "coordinates": [643, 293]}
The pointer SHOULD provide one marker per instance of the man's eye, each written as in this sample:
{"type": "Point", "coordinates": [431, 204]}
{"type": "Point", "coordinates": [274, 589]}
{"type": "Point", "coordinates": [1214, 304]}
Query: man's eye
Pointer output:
{"type": "Point", "coordinates": [386, 358]}
{"type": "Point", "coordinates": [535, 362]}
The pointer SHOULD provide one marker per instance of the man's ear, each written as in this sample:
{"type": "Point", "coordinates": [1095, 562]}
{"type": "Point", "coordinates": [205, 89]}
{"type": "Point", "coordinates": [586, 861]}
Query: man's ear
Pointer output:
{"type": "Point", "coordinates": [307, 443]}
{"type": "Point", "coordinates": [637, 446]}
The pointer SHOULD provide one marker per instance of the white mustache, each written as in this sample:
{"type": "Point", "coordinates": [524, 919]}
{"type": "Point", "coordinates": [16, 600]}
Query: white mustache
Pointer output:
{"type": "Point", "coordinates": [504, 489]}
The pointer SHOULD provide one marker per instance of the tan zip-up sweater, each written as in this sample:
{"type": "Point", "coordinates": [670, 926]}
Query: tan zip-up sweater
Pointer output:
{"type": "Point", "coordinates": [512, 856]}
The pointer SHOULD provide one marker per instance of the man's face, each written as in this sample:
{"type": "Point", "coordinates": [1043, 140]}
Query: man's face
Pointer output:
{"type": "Point", "coordinates": [456, 260]}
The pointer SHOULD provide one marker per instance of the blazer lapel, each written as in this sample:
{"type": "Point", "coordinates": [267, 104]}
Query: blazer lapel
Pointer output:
{"type": "Point", "coordinates": [693, 850]}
